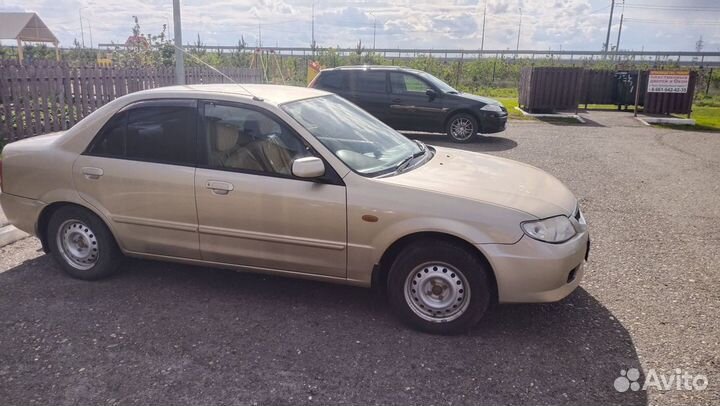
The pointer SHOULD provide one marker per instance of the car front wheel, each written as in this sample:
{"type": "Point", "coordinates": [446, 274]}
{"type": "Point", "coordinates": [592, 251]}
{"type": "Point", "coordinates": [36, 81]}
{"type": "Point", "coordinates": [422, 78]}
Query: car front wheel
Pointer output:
{"type": "Point", "coordinates": [82, 244]}
{"type": "Point", "coordinates": [462, 127]}
{"type": "Point", "coordinates": [439, 287]}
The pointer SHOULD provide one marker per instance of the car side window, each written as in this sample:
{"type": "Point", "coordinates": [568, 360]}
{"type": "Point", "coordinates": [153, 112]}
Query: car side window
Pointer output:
{"type": "Point", "coordinates": [151, 132]}
{"type": "Point", "coordinates": [370, 81]}
{"type": "Point", "coordinates": [333, 80]}
{"type": "Point", "coordinates": [111, 139]}
{"type": "Point", "coordinates": [239, 138]}
{"type": "Point", "coordinates": [403, 83]}
{"type": "Point", "coordinates": [161, 134]}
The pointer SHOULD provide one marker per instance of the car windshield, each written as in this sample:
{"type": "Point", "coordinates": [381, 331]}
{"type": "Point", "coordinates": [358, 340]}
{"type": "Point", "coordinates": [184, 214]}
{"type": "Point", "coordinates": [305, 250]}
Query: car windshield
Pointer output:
{"type": "Point", "coordinates": [361, 141]}
{"type": "Point", "coordinates": [444, 87]}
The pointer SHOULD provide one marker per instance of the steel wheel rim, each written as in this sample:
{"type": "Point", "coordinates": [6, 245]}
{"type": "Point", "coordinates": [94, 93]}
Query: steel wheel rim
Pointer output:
{"type": "Point", "coordinates": [78, 244]}
{"type": "Point", "coordinates": [437, 292]}
{"type": "Point", "coordinates": [461, 128]}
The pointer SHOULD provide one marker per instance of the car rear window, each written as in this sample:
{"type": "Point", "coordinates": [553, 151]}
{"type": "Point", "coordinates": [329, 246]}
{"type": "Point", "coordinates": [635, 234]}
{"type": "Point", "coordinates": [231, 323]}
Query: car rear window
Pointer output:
{"type": "Point", "coordinates": [154, 133]}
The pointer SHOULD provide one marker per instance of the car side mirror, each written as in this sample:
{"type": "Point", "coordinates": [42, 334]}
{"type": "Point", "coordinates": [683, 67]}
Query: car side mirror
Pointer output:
{"type": "Point", "coordinates": [431, 94]}
{"type": "Point", "coordinates": [308, 167]}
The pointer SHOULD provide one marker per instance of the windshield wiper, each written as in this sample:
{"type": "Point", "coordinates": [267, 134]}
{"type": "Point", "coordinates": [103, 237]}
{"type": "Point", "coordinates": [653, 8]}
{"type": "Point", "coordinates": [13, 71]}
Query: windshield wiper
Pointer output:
{"type": "Point", "coordinates": [405, 162]}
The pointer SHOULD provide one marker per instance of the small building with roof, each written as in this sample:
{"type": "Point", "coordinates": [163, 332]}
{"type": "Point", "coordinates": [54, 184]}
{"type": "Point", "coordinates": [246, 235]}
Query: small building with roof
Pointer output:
{"type": "Point", "coordinates": [26, 27]}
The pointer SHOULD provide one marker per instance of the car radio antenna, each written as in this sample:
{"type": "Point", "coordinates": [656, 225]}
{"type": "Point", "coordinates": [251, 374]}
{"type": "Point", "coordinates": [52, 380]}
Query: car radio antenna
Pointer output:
{"type": "Point", "coordinates": [249, 93]}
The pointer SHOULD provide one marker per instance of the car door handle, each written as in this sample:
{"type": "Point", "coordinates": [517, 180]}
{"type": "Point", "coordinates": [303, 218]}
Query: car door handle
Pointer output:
{"type": "Point", "coordinates": [219, 187]}
{"type": "Point", "coordinates": [396, 100]}
{"type": "Point", "coordinates": [92, 173]}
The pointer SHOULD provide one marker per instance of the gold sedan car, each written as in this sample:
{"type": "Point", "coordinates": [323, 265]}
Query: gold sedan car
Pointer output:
{"type": "Point", "coordinates": [298, 182]}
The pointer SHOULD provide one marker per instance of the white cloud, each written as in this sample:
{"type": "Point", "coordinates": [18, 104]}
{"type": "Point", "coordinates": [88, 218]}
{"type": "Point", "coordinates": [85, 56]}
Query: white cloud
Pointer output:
{"type": "Point", "coordinates": [570, 24]}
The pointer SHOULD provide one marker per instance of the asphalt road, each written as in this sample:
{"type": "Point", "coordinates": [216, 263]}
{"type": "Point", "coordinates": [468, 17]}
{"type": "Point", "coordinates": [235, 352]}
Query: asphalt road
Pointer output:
{"type": "Point", "coordinates": [170, 334]}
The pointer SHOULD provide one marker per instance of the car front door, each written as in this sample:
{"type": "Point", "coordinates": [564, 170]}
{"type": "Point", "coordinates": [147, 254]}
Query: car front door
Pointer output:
{"type": "Point", "coordinates": [411, 107]}
{"type": "Point", "coordinates": [139, 171]}
{"type": "Point", "coordinates": [252, 211]}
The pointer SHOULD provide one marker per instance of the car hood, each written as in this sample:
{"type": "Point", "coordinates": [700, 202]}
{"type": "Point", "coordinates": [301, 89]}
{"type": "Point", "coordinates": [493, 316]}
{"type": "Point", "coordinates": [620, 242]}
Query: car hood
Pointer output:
{"type": "Point", "coordinates": [474, 97]}
{"type": "Point", "coordinates": [489, 179]}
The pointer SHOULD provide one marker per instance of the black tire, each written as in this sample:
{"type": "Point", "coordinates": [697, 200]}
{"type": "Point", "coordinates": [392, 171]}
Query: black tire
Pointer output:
{"type": "Point", "coordinates": [467, 120]}
{"type": "Point", "coordinates": [418, 260]}
{"type": "Point", "coordinates": [99, 255]}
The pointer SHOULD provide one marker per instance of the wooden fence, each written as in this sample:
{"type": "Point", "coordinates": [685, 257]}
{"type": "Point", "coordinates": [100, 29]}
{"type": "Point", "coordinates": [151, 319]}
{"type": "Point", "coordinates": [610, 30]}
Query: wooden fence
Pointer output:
{"type": "Point", "coordinates": [547, 89]}
{"type": "Point", "coordinates": [667, 103]}
{"type": "Point", "coordinates": [45, 98]}
{"type": "Point", "coordinates": [544, 89]}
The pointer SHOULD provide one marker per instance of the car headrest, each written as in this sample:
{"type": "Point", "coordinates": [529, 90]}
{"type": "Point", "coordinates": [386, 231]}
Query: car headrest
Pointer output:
{"type": "Point", "coordinates": [226, 137]}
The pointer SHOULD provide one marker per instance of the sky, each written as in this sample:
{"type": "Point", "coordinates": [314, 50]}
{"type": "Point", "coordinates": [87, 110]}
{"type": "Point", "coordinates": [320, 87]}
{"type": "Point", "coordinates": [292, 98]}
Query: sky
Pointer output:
{"type": "Point", "coordinates": [662, 25]}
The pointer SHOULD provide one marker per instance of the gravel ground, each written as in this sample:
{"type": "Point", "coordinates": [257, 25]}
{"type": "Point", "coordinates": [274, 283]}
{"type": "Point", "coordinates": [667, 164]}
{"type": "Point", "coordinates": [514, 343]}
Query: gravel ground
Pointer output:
{"type": "Point", "coordinates": [171, 334]}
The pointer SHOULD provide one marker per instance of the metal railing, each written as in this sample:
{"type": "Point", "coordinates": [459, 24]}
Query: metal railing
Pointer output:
{"type": "Point", "coordinates": [684, 58]}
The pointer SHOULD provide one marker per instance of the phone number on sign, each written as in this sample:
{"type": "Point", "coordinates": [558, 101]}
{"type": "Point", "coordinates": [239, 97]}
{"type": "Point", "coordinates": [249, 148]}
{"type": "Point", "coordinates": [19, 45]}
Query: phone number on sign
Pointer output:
{"type": "Point", "coordinates": [667, 89]}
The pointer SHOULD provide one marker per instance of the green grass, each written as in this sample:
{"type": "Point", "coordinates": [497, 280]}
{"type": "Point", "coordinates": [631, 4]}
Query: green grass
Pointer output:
{"type": "Point", "coordinates": [611, 107]}
{"type": "Point", "coordinates": [510, 103]}
{"type": "Point", "coordinates": [707, 101]}
{"type": "Point", "coordinates": [706, 119]}
{"type": "Point", "coordinates": [706, 109]}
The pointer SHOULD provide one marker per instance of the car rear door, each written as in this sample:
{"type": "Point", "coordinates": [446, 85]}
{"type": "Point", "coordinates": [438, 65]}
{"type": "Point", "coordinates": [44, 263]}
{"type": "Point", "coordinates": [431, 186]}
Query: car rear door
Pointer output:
{"type": "Point", "coordinates": [251, 210]}
{"type": "Point", "coordinates": [369, 90]}
{"type": "Point", "coordinates": [139, 171]}
{"type": "Point", "coordinates": [411, 107]}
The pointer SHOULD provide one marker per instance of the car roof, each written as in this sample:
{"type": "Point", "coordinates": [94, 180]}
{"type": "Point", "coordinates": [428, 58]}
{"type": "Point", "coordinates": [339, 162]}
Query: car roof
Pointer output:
{"type": "Point", "coordinates": [274, 94]}
{"type": "Point", "coordinates": [374, 67]}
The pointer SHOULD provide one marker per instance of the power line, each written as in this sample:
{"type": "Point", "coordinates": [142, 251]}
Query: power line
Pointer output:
{"type": "Point", "coordinates": [672, 8]}
{"type": "Point", "coordinates": [693, 22]}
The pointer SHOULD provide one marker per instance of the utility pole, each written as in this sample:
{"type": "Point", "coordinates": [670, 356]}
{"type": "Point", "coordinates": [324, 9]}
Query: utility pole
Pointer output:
{"type": "Point", "coordinates": [374, 26]}
{"type": "Point", "coordinates": [482, 40]}
{"type": "Point", "coordinates": [622, 14]}
{"type": "Point", "coordinates": [90, 28]}
{"type": "Point", "coordinates": [517, 48]}
{"type": "Point", "coordinates": [312, 31]}
{"type": "Point", "coordinates": [179, 53]}
{"type": "Point", "coordinates": [607, 38]}
{"type": "Point", "coordinates": [82, 30]}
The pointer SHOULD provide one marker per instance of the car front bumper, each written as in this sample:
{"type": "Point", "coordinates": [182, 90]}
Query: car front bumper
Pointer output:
{"type": "Point", "coordinates": [492, 122]}
{"type": "Point", "coordinates": [532, 271]}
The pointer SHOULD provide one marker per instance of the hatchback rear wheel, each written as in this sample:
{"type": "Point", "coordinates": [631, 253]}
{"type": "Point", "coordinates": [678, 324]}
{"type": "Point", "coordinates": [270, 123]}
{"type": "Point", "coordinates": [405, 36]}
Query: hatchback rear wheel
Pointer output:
{"type": "Point", "coordinates": [82, 244]}
{"type": "Point", "coordinates": [439, 287]}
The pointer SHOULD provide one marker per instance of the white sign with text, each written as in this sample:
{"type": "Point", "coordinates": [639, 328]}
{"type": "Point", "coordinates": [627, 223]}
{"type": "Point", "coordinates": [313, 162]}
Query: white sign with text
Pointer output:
{"type": "Point", "coordinates": [663, 81]}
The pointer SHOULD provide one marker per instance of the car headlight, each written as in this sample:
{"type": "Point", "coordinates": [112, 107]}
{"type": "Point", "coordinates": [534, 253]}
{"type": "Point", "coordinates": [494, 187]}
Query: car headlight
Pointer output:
{"type": "Point", "coordinates": [492, 107]}
{"type": "Point", "coordinates": [553, 230]}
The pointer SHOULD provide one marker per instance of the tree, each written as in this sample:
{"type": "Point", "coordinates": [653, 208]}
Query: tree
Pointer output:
{"type": "Point", "coordinates": [144, 49]}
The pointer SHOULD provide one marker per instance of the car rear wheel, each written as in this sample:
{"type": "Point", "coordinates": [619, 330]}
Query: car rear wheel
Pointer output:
{"type": "Point", "coordinates": [439, 287]}
{"type": "Point", "coordinates": [462, 127]}
{"type": "Point", "coordinates": [82, 244]}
